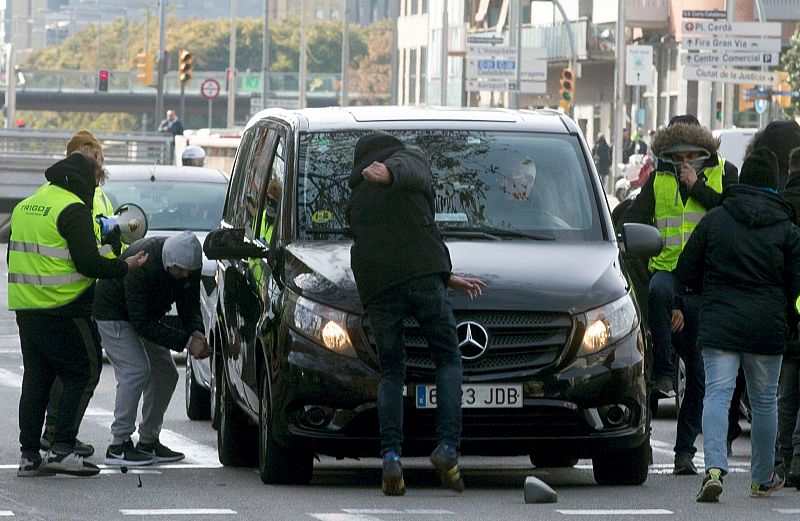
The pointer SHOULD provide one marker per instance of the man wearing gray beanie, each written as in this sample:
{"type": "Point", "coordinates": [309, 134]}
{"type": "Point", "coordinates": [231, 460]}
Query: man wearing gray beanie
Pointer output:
{"type": "Point", "coordinates": [138, 341]}
{"type": "Point", "coordinates": [744, 256]}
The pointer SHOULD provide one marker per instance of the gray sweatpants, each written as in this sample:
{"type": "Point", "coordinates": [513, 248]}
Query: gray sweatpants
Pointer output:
{"type": "Point", "coordinates": [141, 368]}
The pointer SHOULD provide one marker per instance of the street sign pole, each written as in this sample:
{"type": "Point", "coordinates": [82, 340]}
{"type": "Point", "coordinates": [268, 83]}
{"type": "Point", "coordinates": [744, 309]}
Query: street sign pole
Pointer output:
{"type": "Point", "coordinates": [619, 98]}
{"type": "Point", "coordinates": [727, 102]}
{"type": "Point", "coordinates": [210, 101]}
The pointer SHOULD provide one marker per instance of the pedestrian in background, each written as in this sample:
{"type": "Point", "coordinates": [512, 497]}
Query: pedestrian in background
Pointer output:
{"type": "Point", "coordinates": [53, 261]}
{"type": "Point", "coordinates": [601, 153]}
{"type": "Point", "coordinates": [171, 124]}
{"type": "Point", "coordinates": [408, 276]}
{"type": "Point", "coordinates": [789, 383]}
{"type": "Point", "coordinates": [687, 182]}
{"type": "Point", "coordinates": [139, 343]}
{"type": "Point", "coordinates": [780, 137]}
{"type": "Point", "coordinates": [741, 256]}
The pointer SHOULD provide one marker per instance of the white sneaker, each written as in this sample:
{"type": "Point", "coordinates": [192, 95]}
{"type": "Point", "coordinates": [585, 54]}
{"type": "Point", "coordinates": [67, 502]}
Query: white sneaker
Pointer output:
{"type": "Point", "coordinates": [71, 464]}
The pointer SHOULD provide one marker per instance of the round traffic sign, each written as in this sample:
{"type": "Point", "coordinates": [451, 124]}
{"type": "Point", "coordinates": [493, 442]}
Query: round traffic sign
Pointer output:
{"type": "Point", "coordinates": [210, 88]}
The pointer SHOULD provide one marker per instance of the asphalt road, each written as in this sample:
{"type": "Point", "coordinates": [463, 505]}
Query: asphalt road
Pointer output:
{"type": "Point", "coordinates": [199, 488]}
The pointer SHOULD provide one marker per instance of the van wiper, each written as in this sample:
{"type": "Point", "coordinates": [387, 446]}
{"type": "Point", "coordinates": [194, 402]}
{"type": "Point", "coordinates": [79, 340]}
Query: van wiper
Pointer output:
{"type": "Point", "coordinates": [495, 234]}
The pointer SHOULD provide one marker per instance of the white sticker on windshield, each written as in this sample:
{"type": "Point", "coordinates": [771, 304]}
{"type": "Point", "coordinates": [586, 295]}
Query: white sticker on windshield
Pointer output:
{"type": "Point", "coordinates": [459, 217]}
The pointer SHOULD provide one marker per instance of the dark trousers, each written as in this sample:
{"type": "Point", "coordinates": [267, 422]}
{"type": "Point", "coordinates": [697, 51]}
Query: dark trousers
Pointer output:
{"type": "Point", "coordinates": [67, 347]}
{"type": "Point", "coordinates": [426, 300]}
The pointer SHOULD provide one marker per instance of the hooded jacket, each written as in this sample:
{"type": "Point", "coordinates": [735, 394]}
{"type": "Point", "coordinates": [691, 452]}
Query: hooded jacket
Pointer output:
{"type": "Point", "coordinates": [643, 207]}
{"type": "Point", "coordinates": [792, 196]}
{"type": "Point", "coordinates": [744, 255]}
{"type": "Point", "coordinates": [76, 226]}
{"type": "Point", "coordinates": [780, 137]}
{"type": "Point", "coordinates": [395, 237]}
{"type": "Point", "coordinates": [146, 295]}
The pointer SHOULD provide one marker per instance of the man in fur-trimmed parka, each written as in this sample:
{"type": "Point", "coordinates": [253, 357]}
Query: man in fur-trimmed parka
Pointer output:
{"type": "Point", "coordinates": [688, 181]}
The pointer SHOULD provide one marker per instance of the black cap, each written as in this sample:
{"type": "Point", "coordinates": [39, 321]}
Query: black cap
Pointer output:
{"type": "Point", "coordinates": [686, 119]}
{"type": "Point", "coordinates": [374, 147]}
{"type": "Point", "coordinates": [760, 169]}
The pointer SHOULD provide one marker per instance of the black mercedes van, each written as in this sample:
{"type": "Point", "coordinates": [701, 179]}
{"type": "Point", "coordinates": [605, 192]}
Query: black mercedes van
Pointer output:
{"type": "Point", "coordinates": [553, 351]}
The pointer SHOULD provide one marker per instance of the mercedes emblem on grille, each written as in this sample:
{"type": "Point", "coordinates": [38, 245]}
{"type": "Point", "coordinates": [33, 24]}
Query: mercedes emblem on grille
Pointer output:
{"type": "Point", "coordinates": [472, 340]}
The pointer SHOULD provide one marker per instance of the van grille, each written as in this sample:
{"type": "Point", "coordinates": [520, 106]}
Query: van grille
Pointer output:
{"type": "Point", "coordinates": [518, 340]}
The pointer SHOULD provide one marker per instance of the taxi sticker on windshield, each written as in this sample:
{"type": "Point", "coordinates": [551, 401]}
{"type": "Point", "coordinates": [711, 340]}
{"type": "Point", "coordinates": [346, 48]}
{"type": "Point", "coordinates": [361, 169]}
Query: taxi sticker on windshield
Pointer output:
{"type": "Point", "coordinates": [321, 216]}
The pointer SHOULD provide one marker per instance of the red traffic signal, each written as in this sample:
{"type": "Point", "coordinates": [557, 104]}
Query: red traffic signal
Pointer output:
{"type": "Point", "coordinates": [102, 81]}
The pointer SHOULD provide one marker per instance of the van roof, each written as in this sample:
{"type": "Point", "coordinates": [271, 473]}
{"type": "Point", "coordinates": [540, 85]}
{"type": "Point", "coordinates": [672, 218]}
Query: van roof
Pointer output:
{"type": "Point", "coordinates": [418, 117]}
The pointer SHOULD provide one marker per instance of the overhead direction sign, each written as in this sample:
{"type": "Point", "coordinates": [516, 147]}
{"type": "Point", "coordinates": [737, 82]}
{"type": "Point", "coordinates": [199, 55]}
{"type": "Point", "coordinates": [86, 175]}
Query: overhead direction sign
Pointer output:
{"type": "Point", "coordinates": [729, 75]}
{"type": "Point", "coordinates": [730, 58]}
{"type": "Point", "coordinates": [485, 40]}
{"type": "Point", "coordinates": [714, 14]}
{"type": "Point", "coordinates": [708, 28]}
{"type": "Point", "coordinates": [731, 43]}
{"type": "Point", "coordinates": [494, 66]}
{"type": "Point", "coordinates": [639, 65]}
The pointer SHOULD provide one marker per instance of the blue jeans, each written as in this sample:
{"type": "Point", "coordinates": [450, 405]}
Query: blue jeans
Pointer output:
{"type": "Point", "coordinates": [789, 410]}
{"type": "Point", "coordinates": [761, 374]}
{"type": "Point", "coordinates": [425, 299]}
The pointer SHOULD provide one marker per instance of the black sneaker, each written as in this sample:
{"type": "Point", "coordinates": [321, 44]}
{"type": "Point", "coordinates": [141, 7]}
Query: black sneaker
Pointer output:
{"type": "Point", "coordinates": [126, 454]}
{"type": "Point", "coordinates": [662, 387]}
{"type": "Point", "coordinates": [684, 466]}
{"type": "Point", "coordinates": [392, 482]}
{"type": "Point", "coordinates": [70, 463]}
{"type": "Point", "coordinates": [159, 452]}
{"type": "Point", "coordinates": [793, 477]}
{"type": "Point", "coordinates": [82, 449]}
{"type": "Point", "coordinates": [711, 488]}
{"type": "Point", "coordinates": [759, 490]}
{"type": "Point", "coordinates": [30, 466]}
{"type": "Point", "coordinates": [445, 460]}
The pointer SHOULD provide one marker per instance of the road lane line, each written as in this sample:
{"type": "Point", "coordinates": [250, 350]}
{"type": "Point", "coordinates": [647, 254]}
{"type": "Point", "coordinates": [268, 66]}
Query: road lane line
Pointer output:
{"type": "Point", "coordinates": [787, 510]}
{"type": "Point", "coordinates": [176, 511]}
{"type": "Point", "coordinates": [371, 511]}
{"type": "Point", "coordinates": [195, 452]}
{"type": "Point", "coordinates": [6, 513]}
{"type": "Point", "coordinates": [619, 512]}
{"type": "Point", "coordinates": [10, 379]}
{"type": "Point", "coordinates": [344, 517]}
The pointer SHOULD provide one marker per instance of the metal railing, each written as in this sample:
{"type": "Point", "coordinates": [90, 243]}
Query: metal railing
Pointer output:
{"type": "Point", "coordinates": [125, 81]}
{"type": "Point", "coordinates": [23, 146]}
{"type": "Point", "coordinates": [551, 36]}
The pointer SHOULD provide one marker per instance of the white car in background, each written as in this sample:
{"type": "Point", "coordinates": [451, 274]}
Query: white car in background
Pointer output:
{"type": "Point", "coordinates": [733, 142]}
{"type": "Point", "coordinates": [178, 198]}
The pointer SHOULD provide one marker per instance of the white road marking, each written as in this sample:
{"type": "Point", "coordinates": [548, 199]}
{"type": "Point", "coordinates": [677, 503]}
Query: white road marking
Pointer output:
{"type": "Point", "coordinates": [344, 517]}
{"type": "Point", "coordinates": [176, 511]}
{"type": "Point", "coordinates": [196, 453]}
{"type": "Point", "coordinates": [96, 411]}
{"type": "Point", "coordinates": [431, 512]}
{"type": "Point", "coordinates": [10, 379]}
{"type": "Point", "coordinates": [10, 351]}
{"type": "Point", "coordinates": [620, 512]}
{"type": "Point", "coordinates": [787, 510]}
{"type": "Point", "coordinates": [417, 511]}
{"type": "Point", "coordinates": [6, 513]}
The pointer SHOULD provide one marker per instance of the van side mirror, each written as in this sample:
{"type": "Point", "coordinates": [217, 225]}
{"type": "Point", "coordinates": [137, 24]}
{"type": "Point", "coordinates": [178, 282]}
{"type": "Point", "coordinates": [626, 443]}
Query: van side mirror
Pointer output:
{"type": "Point", "coordinates": [230, 243]}
{"type": "Point", "coordinates": [640, 240]}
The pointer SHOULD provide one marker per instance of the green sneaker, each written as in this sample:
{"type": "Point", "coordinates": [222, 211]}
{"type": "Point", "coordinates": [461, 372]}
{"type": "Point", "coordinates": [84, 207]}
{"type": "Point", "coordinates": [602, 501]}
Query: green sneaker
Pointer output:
{"type": "Point", "coordinates": [445, 461]}
{"type": "Point", "coordinates": [759, 490]}
{"type": "Point", "coordinates": [711, 488]}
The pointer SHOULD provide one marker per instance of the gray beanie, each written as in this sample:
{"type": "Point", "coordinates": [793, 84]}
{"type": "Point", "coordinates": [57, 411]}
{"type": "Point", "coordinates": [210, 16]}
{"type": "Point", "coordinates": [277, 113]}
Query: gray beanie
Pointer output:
{"type": "Point", "coordinates": [183, 250]}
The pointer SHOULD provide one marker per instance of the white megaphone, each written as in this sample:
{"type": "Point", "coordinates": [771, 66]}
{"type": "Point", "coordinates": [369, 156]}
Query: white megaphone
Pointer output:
{"type": "Point", "coordinates": [132, 222]}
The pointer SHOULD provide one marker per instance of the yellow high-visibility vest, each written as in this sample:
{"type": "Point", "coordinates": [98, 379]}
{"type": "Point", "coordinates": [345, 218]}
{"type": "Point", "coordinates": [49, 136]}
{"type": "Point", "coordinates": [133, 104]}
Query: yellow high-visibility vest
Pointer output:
{"type": "Point", "coordinates": [102, 206]}
{"type": "Point", "coordinates": [41, 273]}
{"type": "Point", "coordinates": [674, 220]}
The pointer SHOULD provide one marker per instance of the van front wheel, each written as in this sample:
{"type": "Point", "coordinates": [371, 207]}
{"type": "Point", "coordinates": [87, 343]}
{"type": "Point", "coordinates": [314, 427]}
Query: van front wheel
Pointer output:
{"type": "Point", "coordinates": [279, 465]}
{"type": "Point", "coordinates": [235, 436]}
{"type": "Point", "coordinates": [623, 467]}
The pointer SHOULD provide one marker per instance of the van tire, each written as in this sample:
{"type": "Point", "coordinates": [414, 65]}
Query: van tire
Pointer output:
{"type": "Point", "coordinates": [279, 465]}
{"type": "Point", "coordinates": [623, 467]}
{"type": "Point", "coordinates": [236, 437]}
{"type": "Point", "coordinates": [198, 399]}
{"type": "Point", "coordinates": [215, 397]}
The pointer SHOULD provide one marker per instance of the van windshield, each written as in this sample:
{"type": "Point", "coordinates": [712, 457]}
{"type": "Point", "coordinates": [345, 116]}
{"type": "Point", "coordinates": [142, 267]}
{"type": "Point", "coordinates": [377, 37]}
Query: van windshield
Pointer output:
{"type": "Point", "coordinates": [489, 185]}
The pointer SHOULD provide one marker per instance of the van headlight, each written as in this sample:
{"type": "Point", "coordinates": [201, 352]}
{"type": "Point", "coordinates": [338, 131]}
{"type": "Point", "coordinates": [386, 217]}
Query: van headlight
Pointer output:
{"type": "Point", "coordinates": [323, 324]}
{"type": "Point", "coordinates": [607, 324]}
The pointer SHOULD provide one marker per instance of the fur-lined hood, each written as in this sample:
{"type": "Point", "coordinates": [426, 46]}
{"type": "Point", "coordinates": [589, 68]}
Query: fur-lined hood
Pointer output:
{"type": "Point", "coordinates": [682, 134]}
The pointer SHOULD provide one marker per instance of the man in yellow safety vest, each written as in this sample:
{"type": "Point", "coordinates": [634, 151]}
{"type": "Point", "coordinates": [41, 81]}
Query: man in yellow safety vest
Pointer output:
{"type": "Point", "coordinates": [687, 182]}
{"type": "Point", "coordinates": [53, 262]}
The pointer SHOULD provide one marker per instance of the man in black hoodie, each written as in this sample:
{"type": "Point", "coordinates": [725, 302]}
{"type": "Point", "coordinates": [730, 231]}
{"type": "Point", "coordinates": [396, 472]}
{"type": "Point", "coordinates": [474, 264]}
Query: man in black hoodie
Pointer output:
{"type": "Point", "coordinates": [742, 256]}
{"type": "Point", "coordinates": [53, 260]}
{"type": "Point", "coordinates": [402, 268]}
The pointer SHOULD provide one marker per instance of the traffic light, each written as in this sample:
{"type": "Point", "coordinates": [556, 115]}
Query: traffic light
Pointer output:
{"type": "Point", "coordinates": [567, 92]}
{"type": "Point", "coordinates": [144, 68]}
{"type": "Point", "coordinates": [102, 81]}
{"type": "Point", "coordinates": [719, 111]}
{"type": "Point", "coordinates": [185, 61]}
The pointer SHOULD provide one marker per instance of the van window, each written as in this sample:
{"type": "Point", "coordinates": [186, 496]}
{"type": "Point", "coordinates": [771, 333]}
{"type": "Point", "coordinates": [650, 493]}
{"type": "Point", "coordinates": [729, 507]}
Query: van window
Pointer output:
{"type": "Point", "coordinates": [237, 176]}
{"type": "Point", "coordinates": [503, 181]}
